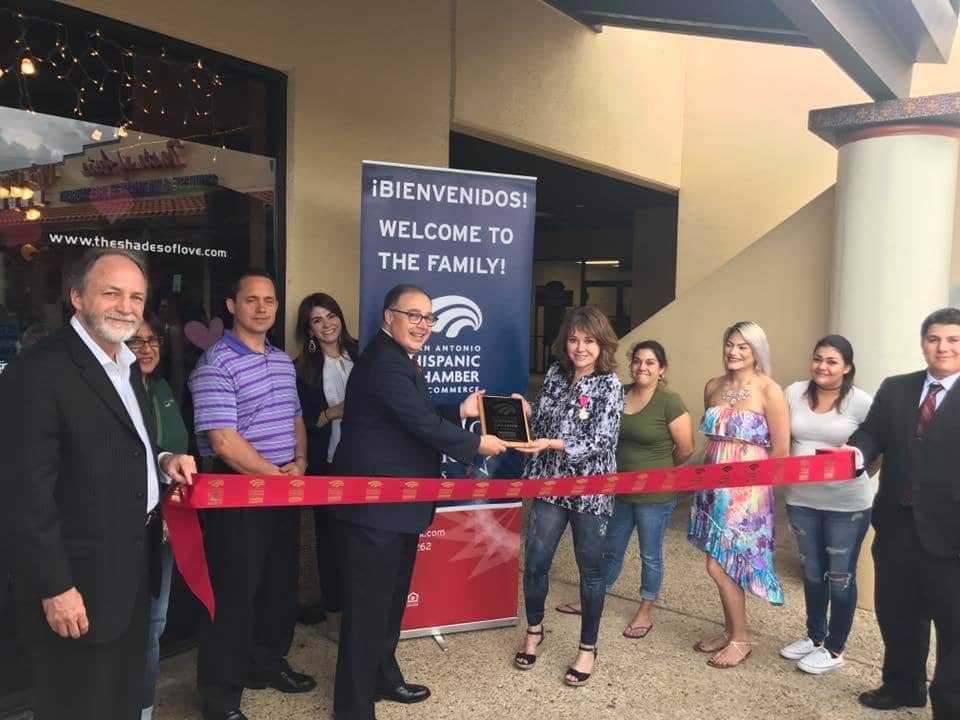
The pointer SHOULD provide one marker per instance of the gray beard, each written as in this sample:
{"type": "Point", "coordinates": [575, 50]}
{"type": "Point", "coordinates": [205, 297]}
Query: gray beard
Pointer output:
{"type": "Point", "coordinates": [101, 327]}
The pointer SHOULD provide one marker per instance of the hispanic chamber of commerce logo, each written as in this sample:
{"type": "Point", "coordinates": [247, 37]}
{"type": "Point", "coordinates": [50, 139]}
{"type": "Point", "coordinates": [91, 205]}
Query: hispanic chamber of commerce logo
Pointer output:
{"type": "Point", "coordinates": [454, 313]}
{"type": "Point", "coordinates": [413, 599]}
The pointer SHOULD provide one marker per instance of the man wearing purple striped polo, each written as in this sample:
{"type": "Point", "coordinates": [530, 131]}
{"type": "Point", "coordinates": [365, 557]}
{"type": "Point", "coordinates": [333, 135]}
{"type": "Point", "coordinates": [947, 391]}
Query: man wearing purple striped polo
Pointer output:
{"type": "Point", "coordinates": [247, 419]}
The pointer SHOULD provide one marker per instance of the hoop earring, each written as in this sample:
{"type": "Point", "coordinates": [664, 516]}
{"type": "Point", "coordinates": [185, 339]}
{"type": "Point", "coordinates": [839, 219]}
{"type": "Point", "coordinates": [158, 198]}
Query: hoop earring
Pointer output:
{"type": "Point", "coordinates": [313, 346]}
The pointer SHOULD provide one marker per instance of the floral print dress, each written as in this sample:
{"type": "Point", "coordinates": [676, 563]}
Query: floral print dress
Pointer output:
{"type": "Point", "coordinates": [586, 415]}
{"type": "Point", "coordinates": [735, 526]}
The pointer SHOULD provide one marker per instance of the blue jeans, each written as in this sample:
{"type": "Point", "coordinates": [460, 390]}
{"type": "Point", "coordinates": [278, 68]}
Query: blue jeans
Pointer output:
{"type": "Point", "coordinates": [158, 620]}
{"type": "Point", "coordinates": [544, 529]}
{"type": "Point", "coordinates": [829, 544]}
{"type": "Point", "coordinates": [650, 520]}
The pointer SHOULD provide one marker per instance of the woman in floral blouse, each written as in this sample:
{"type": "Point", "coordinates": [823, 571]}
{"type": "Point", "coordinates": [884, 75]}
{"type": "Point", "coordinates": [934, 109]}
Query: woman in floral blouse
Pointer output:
{"type": "Point", "coordinates": [576, 420]}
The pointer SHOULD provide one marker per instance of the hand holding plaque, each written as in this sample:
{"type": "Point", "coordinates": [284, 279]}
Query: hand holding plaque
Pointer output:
{"type": "Point", "coordinates": [505, 418]}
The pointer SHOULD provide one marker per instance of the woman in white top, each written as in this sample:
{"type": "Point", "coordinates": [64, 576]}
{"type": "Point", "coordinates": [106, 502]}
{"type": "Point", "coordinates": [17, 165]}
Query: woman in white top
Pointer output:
{"type": "Point", "coordinates": [327, 352]}
{"type": "Point", "coordinates": [829, 519]}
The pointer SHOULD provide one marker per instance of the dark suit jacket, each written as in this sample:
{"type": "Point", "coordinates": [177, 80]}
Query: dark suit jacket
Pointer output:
{"type": "Point", "coordinates": [313, 401]}
{"type": "Point", "coordinates": [74, 479]}
{"type": "Point", "coordinates": [391, 429]}
{"type": "Point", "coordinates": [889, 429]}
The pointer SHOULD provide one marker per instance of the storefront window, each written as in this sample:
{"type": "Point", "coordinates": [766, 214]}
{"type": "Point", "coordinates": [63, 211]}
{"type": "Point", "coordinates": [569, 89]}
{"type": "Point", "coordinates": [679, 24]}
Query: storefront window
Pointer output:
{"type": "Point", "coordinates": [112, 136]}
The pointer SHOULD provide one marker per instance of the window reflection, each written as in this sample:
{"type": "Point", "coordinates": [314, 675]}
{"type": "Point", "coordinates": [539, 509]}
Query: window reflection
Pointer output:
{"type": "Point", "coordinates": [198, 213]}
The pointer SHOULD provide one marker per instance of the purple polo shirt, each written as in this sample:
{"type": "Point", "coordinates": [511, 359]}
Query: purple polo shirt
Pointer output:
{"type": "Point", "coordinates": [256, 395]}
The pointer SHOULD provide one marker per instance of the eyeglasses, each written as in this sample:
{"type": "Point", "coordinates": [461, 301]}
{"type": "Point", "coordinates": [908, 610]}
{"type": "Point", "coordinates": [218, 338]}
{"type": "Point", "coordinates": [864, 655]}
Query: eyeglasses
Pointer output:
{"type": "Point", "coordinates": [137, 343]}
{"type": "Point", "coordinates": [416, 317]}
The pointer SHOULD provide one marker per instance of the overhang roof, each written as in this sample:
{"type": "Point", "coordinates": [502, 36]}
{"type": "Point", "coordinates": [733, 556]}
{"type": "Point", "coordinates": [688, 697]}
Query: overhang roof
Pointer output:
{"type": "Point", "coordinates": [876, 42]}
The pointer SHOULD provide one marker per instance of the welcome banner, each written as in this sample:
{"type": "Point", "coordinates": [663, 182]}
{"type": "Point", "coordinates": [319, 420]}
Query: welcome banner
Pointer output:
{"type": "Point", "coordinates": [467, 239]}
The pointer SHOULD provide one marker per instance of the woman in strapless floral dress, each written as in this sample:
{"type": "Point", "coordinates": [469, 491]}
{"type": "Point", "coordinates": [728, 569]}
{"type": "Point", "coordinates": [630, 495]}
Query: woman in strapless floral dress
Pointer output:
{"type": "Point", "coordinates": [746, 418]}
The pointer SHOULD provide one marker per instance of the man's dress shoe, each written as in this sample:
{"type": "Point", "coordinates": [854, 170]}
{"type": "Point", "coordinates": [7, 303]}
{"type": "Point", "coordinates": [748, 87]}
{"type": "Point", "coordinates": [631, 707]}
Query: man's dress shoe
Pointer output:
{"type": "Point", "coordinates": [284, 679]}
{"type": "Point", "coordinates": [889, 698]}
{"type": "Point", "coordinates": [232, 714]}
{"type": "Point", "coordinates": [406, 693]}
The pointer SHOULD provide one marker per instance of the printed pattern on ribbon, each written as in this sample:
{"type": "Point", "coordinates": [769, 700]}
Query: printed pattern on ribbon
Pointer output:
{"type": "Point", "coordinates": [213, 492]}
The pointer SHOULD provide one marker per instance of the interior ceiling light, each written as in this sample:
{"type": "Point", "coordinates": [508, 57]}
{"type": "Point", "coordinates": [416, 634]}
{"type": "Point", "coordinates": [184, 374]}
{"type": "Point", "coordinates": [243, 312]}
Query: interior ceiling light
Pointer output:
{"type": "Point", "coordinates": [27, 67]}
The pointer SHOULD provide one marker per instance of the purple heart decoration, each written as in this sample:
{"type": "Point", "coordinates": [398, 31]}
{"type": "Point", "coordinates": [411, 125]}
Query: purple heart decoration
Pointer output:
{"type": "Point", "coordinates": [202, 336]}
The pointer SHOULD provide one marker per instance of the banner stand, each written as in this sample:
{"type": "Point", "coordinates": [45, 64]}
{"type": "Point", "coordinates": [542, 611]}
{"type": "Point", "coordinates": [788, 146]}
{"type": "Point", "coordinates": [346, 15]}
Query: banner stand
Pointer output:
{"type": "Point", "coordinates": [467, 238]}
{"type": "Point", "coordinates": [467, 573]}
{"type": "Point", "coordinates": [438, 632]}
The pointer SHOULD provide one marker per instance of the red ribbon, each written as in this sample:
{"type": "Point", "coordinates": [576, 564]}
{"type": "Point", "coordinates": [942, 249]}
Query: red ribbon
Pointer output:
{"type": "Point", "coordinates": [212, 492]}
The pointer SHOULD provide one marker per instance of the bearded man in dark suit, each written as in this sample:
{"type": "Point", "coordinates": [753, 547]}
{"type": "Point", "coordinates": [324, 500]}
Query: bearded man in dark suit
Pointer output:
{"type": "Point", "coordinates": [82, 485]}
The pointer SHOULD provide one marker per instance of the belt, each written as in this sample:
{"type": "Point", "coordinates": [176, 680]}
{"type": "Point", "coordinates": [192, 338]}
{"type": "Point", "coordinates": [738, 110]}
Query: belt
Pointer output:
{"type": "Point", "coordinates": [152, 516]}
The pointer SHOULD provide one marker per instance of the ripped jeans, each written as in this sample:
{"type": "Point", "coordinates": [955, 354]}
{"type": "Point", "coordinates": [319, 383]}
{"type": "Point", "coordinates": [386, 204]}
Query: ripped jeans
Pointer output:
{"type": "Point", "coordinates": [829, 544]}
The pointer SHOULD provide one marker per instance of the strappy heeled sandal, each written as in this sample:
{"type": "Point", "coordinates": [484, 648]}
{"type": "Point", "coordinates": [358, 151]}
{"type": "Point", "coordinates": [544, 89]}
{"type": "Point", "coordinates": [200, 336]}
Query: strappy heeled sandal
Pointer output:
{"type": "Point", "coordinates": [738, 646]}
{"type": "Point", "coordinates": [580, 678]}
{"type": "Point", "coordinates": [525, 661]}
{"type": "Point", "coordinates": [699, 646]}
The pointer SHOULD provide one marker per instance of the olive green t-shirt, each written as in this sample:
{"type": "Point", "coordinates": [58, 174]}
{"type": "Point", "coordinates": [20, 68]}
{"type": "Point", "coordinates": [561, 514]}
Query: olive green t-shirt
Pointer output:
{"type": "Point", "coordinates": [645, 441]}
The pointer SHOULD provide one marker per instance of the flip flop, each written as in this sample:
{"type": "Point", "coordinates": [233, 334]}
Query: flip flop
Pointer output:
{"type": "Point", "coordinates": [637, 632]}
{"type": "Point", "coordinates": [569, 609]}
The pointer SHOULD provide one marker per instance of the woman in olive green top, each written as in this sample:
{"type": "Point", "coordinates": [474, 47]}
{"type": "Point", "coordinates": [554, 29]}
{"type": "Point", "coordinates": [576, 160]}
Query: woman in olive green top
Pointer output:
{"type": "Point", "coordinates": [171, 437]}
{"type": "Point", "coordinates": [655, 432]}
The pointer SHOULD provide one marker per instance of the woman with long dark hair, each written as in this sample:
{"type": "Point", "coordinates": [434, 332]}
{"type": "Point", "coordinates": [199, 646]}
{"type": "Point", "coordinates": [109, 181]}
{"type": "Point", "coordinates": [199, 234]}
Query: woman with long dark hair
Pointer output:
{"type": "Point", "coordinates": [829, 519]}
{"type": "Point", "coordinates": [327, 354]}
{"type": "Point", "coordinates": [655, 432]}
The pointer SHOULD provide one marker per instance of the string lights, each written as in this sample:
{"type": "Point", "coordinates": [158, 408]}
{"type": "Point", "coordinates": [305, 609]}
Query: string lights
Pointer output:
{"type": "Point", "coordinates": [143, 83]}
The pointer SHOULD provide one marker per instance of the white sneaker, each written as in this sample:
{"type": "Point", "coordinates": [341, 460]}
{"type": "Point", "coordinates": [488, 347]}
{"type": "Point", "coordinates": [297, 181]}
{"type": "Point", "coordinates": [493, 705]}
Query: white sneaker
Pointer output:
{"type": "Point", "coordinates": [820, 661]}
{"type": "Point", "coordinates": [798, 650]}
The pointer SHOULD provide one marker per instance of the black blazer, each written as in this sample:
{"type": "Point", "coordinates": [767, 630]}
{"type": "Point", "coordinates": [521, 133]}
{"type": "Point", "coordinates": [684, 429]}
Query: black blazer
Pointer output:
{"type": "Point", "coordinates": [391, 429]}
{"type": "Point", "coordinates": [74, 482]}
{"type": "Point", "coordinates": [889, 429]}
{"type": "Point", "coordinates": [313, 401]}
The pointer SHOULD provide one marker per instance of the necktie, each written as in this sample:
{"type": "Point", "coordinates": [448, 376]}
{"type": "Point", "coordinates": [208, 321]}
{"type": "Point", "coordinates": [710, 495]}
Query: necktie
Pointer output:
{"type": "Point", "coordinates": [927, 408]}
{"type": "Point", "coordinates": [416, 365]}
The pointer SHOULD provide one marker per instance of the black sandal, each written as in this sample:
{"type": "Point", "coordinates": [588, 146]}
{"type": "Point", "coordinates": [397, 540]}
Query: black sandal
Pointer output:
{"type": "Point", "coordinates": [525, 661]}
{"type": "Point", "coordinates": [580, 677]}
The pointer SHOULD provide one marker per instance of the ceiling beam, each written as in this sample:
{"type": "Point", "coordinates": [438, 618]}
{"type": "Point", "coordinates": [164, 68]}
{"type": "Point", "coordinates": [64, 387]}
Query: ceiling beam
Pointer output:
{"type": "Point", "coordinates": [858, 40]}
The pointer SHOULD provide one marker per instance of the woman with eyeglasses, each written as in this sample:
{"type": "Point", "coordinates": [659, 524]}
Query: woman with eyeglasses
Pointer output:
{"type": "Point", "coordinates": [327, 353]}
{"type": "Point", "coordinates": [171, 437]}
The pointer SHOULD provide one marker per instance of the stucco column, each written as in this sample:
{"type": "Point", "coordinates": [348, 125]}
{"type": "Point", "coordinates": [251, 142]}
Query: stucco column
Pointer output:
{"type": "Point", "coordinates": [895, 213]}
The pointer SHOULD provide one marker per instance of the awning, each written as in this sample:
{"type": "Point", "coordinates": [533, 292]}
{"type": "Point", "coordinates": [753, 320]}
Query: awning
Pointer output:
{"type": "Point", "coordinates": [113, 210]}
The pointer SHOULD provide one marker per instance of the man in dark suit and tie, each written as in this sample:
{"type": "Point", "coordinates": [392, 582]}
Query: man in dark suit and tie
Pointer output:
{"type": "Point", "coordinates": [915, 424]}
{"type": "Point", "coordinates": [390, 429]}
{"type": "Point", "coordinates": [80, 502]}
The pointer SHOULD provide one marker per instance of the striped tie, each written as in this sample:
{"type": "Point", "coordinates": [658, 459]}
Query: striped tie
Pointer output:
{"type": "Point", "coordinates": [927, 408]}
